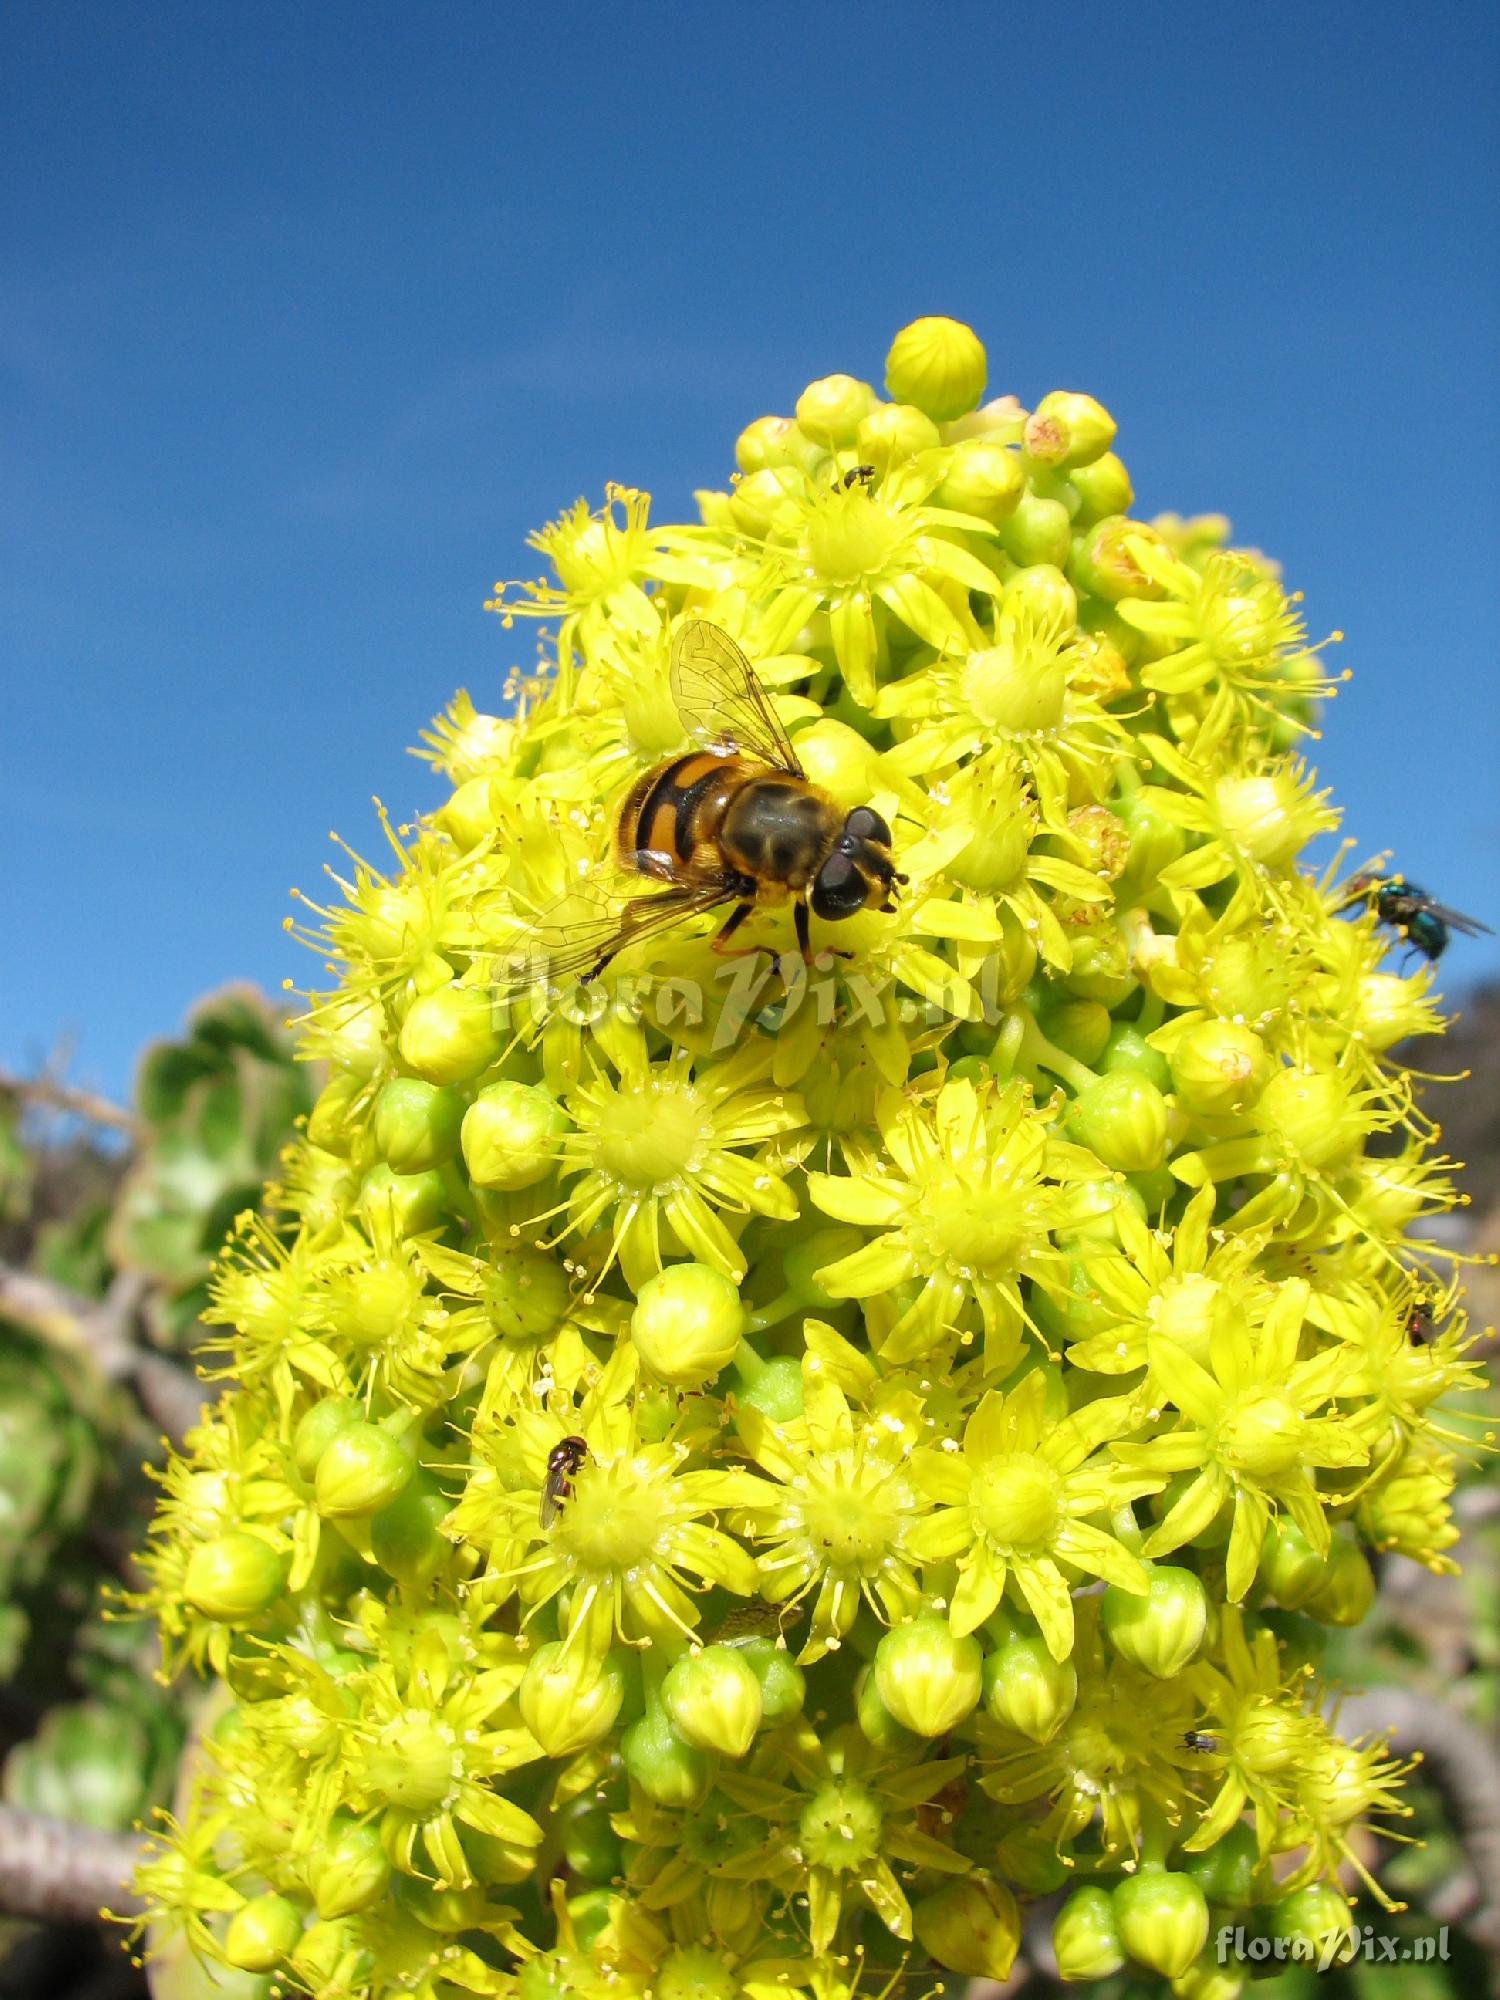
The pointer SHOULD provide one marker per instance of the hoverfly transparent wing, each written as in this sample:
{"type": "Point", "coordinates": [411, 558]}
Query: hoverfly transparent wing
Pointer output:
{"type": "Point", "coordinates": [579, 935]}
{"type": "Point", "coordinates": [722, 705]}
{"type": "Point", "coordinates": [1456, 920]}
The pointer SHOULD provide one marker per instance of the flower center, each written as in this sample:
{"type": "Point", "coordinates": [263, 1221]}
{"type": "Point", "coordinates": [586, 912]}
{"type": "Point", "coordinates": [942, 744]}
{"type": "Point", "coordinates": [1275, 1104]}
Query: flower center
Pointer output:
{"type": "Point", "coordinates": [693, 1972]}
{"type": "Point", "coordinates": [1185, 1309]}
{"type": "Point", "coordinates": [648, 1139]}
{"type": "Point", "coordinates": [848, 1526]}
{"type": "Point", "coordinates": [970, 1229]}
{"type": "Point", "coordinates": [1268, 1739]}
{"type": "Point", "coordinates": [849, 538]}
{"type": "Point", "coordinates": [1016, 1503]}
{"type": "Point", "coordinates": [840, 1827]}
{"type": "Point", "coordinates": [1017, 691]}
{"type": "Point", "coordinates": [414, 1763]}
{"type": "Point", "coordinates": [1261, 1434]}
{"type": "Point", "coordinates": [614, 1516]}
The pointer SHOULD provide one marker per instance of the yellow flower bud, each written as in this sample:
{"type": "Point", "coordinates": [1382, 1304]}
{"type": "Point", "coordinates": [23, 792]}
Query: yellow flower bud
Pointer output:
{"type": "Point", "coordinates": [348, 1869]}
{"type": "Point", "coordinates": [713, 1699]}
{"type": "Point", "coordinates": [939, 365]}
{"type": "Point", "coordinates": [1045, 594]}
{"type": "Point", "coordinates": [1067, 429]}
{"type": "Point", "coordinates": [318, 1426]}
{"type": "Point", "coordinates": [567, 1701]}
{"type": "Point", "coordinates": [1085, 1939]}
{"type": "Point", "coordinates": [1219, 1068]}
{"type": "Point", "coordinates": [982, 478]}
{"type": "Point", "coordinates": [769, 442]}
{"type": "Point", "coordinates": [450, 1035]}
{"type": "Point", "coordinates": [1162, 1631]}
{"type": "Point", "coordinates": [1318, 1919]}
{"type": "Point", "coordinates": [416, 1124]}
{"type": "Point", "coordinates": [830, 410]}
{"type": "Point", "coordinates": [1162, 1920]}
{"type": "Point", "coordinates": [839, 759]}
{"type": "Point", "coordinates": [1029, 1691]}
{"type": "Point", "coordinates": [892, 433]}
{"type": "Point", "coordinates": [510, 1135]}
{"type": "Point", "coordinates": [687, 1324]}
{"type": "Point", "coordinates": [362, 1469]}
{"type": "Point", "coordinates": [261, 1933]}
{"type": "Point", "coordinates": [972, 1925]}
{"type": "Point", "coordinates": [334, 1122]}
{"type": "Point", "coordinates": [927, 1676]}
{"type": "Point", "coordinates": [1103, 487]}
{"type": "Point", "coordinates": [667, 1769]}
{"type": "Point", "coordinates": [1105, 563]}
{"type": "Point", "coordinates": [1313, 1112]}
{"type": "Point", "coordinates": [1123, 1118]}
{"type": "Point", "coordinates": [234, 1577]}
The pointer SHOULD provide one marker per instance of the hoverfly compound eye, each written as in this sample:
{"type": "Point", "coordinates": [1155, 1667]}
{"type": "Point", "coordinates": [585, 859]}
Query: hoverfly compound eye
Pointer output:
{"type": "Point", "coordinates": [864, 823]}
{"type": "Point", "coordinates": [839, 890]}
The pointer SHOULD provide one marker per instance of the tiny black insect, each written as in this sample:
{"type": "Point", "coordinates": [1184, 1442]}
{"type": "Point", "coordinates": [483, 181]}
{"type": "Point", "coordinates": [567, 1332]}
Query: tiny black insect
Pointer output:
{"type": "Point", "coordinates": [858, 475]}
{"type": "Point", "coordinates": [1412, 914]}
{"type": "Point", "coordinates": [1421, 1328]}
{"type": "Point", "coordinates": [1201, 1740]}
{"type": "Point", "coordinates": [563, 1462]}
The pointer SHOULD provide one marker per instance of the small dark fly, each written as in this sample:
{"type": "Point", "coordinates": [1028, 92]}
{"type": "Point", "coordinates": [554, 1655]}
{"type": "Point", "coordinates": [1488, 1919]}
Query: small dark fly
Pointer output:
{"type": "Point", "coordinates": [858, 475]}
{"type": "Point", "coordinates": [1421, 1328]}
{"type": "Point", "coordinates": [1201, 1740]}
{"type": "Point", "coordinates": [563, 1461]}
{"type": "Point", "coordinates": [1415, 917]}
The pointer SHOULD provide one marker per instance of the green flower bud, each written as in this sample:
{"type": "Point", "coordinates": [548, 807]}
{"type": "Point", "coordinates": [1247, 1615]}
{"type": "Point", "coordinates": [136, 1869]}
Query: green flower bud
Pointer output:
{"type": "Point", "coordinates": [774, 1388]}
{"type": "Point", "coordinates": [783, 1685]}
{"type": "Point", "coordinates": [406, 1538]}
{"type": "Point", "coordinates": [1101, 965]}
{"type": "Point", "coordinates": [1155, 841]}
{"type": "Point", "coordinates": [566, 1701]}
{"type": "Point", "coordinates": [939, 365]}
{"type": "Point", "coordinates": [1090, 1213]}
{"type": "Point", "coordinates": [1291, 1569]}
{"type": "Point", "coordinates": [1226, 1871]}
{"type": "Point", "coordinates": [348, 1869]}
{"type": "Point", "coordinates": [928, 1677]}
{"type": "Point", "coordinates": [1127, 1050]}
{"type": "Point", "coordinates": [668, 1770]}
{"type": "Point", "coordinates": [416, 1124]}
{"type": "Point", "coordinates": [362, 1469]}
{"type": "Point", "coordinates": [472, 811]}
{"type": "Point", "coordinates": [1313, 1918]}
{"type": "Point", "coordinates": [1079, 1027]}
{"type": "Point", "coordinates": [971, 1925]}
{"type": "Point", "coordinates": [1044, 591]}
{"type": "Point", "coordinates": [525, 1293]}
{"type": "Point", "coordinates": [1123, 1118]}
{"type": "Point", "coordinates": [1162, 1631]}
{"type": "Point", "coordinates": [1347, 1589]}
{"type": "Point", "coordinates": [713, 1699]}
{"type": "Point", "coordinates": [830, 410]}
{"type": "Point", "coordinates": [1162, 1920]}
{"type": "Point", "coordinates": [1085, 1940]}
{"type": "Point", "coordinates": [591, 1847]}
{"type": "Point", "coordinates": [413, 1203]}
{"type": "Point", "coordinates": [511, 1134]}
{"type": "Point", "coordinates": [317, 1428]}
{"type": "Point", "coordinates": [1067, 429]}
{"type": "Point", "coordinates": [450, 1035]}
{"type": "Point", "coordinates": [330, 1956]}
{"type": "Point", "coordinates": [1025, 1858]}
{"type": "Point", "coordinates": [1103, 487]}
{"type": "Point", "coordinates": [1219, 1068]}
{"type": "Point", "coordinates": [234, 1577]}
{"type": "Point", "coordinates": [876, 1723]}
{"type": "Point", "coordinates": [892, 433]}
{"type": "Point", "coordinates": [1104, 564]}
{"type": "Point", "coordinates": [983, 478]}
{"type": "Point", "coordinates": [334, 1122]}
{"type": "Point", "coordinates": [687, 1324]}
{"type": "Point", "coordinates": [1029, 1691]}
{"type": "Point", "coordinates": [261, 1933]}
{"type": "Point", "coordinates": [1038, 530]}
{"type": "Point", "coordinates": [695, 1972]}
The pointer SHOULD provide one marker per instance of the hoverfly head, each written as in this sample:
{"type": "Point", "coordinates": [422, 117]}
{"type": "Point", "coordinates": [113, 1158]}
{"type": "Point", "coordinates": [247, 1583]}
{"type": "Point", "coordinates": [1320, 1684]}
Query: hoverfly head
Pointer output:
{"type": "Point", "coordinates": [859, 872]}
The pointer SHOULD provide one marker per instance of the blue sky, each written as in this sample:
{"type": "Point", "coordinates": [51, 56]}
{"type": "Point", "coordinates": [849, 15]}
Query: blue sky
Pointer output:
{"type": "Point", "coordinates": [308, 313]}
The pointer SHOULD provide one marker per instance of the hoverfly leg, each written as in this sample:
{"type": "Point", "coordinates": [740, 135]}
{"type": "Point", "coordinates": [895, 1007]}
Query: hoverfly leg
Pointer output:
{"type": "Point", "coordinates": [804, 934]}
{"type": "Point", "coordinates": [731, 924]}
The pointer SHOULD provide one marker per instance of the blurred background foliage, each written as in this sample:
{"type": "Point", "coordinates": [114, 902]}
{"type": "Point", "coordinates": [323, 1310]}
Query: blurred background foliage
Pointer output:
{"type": "Point", "coordinates": [109, 1221]}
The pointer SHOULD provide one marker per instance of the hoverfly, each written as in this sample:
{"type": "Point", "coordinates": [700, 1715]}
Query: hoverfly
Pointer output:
{"type": "Point", "coordinates": [563, 1461]}
{"type": "Point", "coordinates": [735, 821]}
{"type": "Point", "coordinates": [1201, 1740]}
{"type": "Point", "coordinates": [1412, 913]}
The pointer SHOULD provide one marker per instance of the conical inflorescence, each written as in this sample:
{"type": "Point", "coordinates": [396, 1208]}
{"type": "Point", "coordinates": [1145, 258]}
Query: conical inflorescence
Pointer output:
{"type": "Point", "coordinates": [737, 1476]}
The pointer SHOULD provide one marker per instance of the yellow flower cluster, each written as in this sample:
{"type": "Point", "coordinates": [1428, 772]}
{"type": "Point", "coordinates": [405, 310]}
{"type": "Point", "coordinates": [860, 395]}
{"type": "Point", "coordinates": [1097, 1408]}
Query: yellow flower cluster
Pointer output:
{"type": "Point", "coordinates": [735, 1477]}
